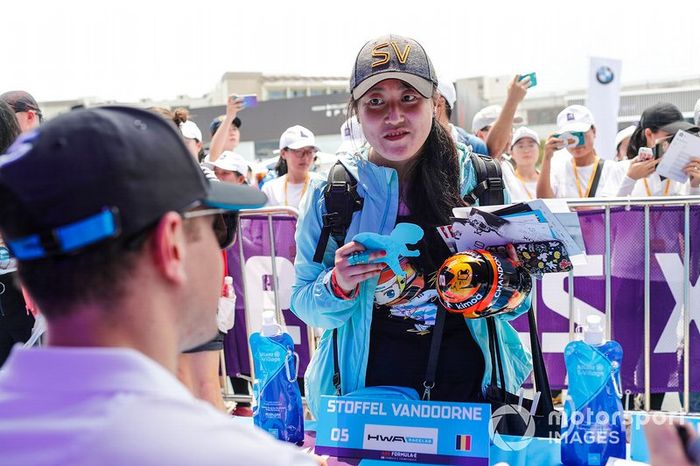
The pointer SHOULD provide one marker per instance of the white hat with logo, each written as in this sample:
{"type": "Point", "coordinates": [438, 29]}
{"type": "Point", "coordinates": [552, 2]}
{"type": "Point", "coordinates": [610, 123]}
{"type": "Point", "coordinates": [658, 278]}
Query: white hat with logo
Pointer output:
{"type": "Point", "coordinates": [575, 118]}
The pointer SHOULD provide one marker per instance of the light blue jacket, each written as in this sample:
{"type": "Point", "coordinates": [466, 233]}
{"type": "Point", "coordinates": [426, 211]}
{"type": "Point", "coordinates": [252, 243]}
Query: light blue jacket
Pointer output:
{"type": "Point", "coordinates": [316, 305]}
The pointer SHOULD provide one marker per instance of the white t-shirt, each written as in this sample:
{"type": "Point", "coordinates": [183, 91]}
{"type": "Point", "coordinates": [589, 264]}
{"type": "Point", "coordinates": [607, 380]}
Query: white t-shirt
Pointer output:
{"type": "Point", "coordinates": [564, 184]}
{"type": "Point", "coordinates": [523, 191]}
{"type": "Point", "coordinates": [278, 191]}
{"type": "Point", "coordinates": [513, 184]}
{"type": "Point", "coordinates": [115, 406]}
{"type": "Point", "coordinates": [652, 185]}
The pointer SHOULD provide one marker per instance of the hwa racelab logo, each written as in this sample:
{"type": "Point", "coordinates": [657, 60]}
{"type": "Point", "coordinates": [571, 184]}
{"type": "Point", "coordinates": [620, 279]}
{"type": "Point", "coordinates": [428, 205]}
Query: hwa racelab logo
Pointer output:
{"type": "Point", "coordinates": [400, 438]}
{"type": "Point", "coordinates": [604, 75]}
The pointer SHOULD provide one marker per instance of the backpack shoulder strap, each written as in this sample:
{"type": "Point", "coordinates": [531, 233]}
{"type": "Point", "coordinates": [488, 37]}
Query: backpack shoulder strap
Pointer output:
{"type": "Point", "coordinates": [342, 200]}
{"type": "Point", "coordinates": [596, 178]}
{"type": "Point", "coordinates": [489, 181]}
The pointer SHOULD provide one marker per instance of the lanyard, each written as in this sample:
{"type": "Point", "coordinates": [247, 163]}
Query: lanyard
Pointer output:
{"type": "Point", "coordinates": [590, 180]}
{"type": "Point", "coordinates": [666, 189]}
{"type": "Point", "coordinates": [303, 190]}
{"type": "Point", "coordinates": [522, 182]}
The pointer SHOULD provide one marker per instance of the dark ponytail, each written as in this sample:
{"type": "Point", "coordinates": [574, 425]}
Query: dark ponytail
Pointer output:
{"type": "Point", "coordinates": [431, 188]}
{"type": "Point", "coordinates": [281, 167]}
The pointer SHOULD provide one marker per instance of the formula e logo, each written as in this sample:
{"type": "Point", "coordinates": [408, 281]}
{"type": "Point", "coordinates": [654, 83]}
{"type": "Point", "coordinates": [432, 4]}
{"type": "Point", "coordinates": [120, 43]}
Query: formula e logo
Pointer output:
{"type": "Point", "coordinates": [604, 75]}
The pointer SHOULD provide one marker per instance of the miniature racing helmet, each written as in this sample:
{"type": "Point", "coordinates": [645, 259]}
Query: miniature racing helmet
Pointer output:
{"type": "Point", "coordinates": [481, 284]}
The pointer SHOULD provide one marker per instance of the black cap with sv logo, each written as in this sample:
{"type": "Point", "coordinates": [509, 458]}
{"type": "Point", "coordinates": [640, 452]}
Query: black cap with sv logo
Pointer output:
{"type": "Point", "coordinates": [393, 57]}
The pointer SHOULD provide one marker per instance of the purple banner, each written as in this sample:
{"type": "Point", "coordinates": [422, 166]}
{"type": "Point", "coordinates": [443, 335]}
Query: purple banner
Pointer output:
{"type": "Point", "coordinates": [257, 270]}
{"type": "Point", "coordinates": [627, 296]}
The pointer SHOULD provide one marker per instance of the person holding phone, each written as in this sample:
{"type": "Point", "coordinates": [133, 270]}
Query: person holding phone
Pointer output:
{"type": "Point", "coordinates": [657, 126]}
{"type": "Point", "coordinates": [412, 171]}
{"type": "Point", "coordinates": [230, 136]}
{"type": "Point", "coordinates": [582, 175]}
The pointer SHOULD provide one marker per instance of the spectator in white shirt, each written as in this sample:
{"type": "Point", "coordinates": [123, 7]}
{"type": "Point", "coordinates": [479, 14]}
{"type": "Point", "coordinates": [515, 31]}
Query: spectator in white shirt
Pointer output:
{"type": "Point", "coordinates": [525, 150]}
{"type": "Point", "coordinates": [657, 127]}
{"type": "Point", "coordinates": [297, 152]}
{"type": "Point", "coordinates": [585, 174]}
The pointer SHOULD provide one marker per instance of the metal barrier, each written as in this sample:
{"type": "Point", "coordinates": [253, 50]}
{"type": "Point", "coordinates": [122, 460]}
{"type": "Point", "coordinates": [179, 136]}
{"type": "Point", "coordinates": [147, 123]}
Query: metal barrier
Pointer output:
{"type": "Point", "coordinates": [269, 213]}
{"type": "Point", "coordinates": [604, 203]}
{"type": "Point", "coordinates": [646, 202]}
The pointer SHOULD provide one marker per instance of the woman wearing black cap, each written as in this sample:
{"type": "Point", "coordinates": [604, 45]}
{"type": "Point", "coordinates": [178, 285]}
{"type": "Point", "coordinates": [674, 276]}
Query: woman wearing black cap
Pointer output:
{"type": "Point", "coordinates": [410, 171]}
{"type": "Point", "coordinates": [658, 125]}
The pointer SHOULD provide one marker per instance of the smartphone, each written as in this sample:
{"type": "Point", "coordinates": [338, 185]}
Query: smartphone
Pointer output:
{"type": "Point", "coordinates": [532, 76]}
{"type": "Point", "coordinates": [249, 100]}
{"type": "Point", "coordinates": [572, 138]}
{"type": "Point", "coordinates": [660, 149]}
{"type": "Point", "coordinates": [645, 154]}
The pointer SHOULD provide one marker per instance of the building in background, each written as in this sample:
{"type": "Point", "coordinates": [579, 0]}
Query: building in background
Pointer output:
{"type": "Point", "coordinates": [539, 112]}
{"type": "Point", "coordinates": [320, 104]}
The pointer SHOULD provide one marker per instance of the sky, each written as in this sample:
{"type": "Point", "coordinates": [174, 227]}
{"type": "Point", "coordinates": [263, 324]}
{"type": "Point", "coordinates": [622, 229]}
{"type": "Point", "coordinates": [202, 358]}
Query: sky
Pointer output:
{"type": "Point", "coordinates": [127, 50]}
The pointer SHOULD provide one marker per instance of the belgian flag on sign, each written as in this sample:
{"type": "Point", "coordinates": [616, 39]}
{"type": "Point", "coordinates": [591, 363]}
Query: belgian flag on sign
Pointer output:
{"type": "Point", "coordinates": [463, 442]}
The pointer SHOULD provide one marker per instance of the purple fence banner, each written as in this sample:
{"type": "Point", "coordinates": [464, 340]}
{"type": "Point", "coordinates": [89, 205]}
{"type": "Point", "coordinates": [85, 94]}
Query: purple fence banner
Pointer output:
{"type": "Point", "coordinates": [666, 291]}
{"type": "Point", "coordinates": [257, 268]}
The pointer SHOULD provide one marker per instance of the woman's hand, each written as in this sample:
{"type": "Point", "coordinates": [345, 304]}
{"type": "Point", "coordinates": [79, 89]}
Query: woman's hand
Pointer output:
{"type": "Point", "coordinates": [641, 169]}
{"type": "Point", "coordinates": [692, 169]}
{"type": "Point", "coordinates": [349, 276]}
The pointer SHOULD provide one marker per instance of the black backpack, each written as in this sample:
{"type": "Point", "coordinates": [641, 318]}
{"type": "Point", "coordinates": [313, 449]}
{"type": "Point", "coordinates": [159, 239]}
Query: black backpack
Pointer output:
{"type": "Point", "coordinates": [342, 200]}
{"type": "Point", "coordinates": [489, 181]}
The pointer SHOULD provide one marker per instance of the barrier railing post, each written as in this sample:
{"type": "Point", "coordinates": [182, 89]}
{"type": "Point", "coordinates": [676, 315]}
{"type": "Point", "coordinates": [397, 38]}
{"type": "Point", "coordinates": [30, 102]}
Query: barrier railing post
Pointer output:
{"type": "Point", "coordinates": [608, 275]}
{"type": "Point", "coordinates": [275, 284]}
{"type": "Point", "coordinates": [647, 312]}
{"type": "Point", "coordinates": [241, 263]}
{"type": "Point", "coordinates": [686, 308]}
{"type": "Point", "coordinates": [572, 324]}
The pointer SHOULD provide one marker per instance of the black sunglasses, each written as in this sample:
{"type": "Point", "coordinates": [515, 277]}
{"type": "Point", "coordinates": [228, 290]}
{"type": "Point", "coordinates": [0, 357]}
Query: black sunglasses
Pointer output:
{"type": "Point", "coordinates": [225, 224]}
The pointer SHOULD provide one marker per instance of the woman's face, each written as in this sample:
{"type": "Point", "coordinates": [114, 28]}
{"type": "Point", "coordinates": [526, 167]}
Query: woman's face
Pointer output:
{"type": "Point", "coordinates": [525, 152]}
{"type": "Point", "coordinates": [395, 119]}
{"type": "Point", "coordinates": [655, 137]}
{"type": "Point", "coordinates": [299, 161]}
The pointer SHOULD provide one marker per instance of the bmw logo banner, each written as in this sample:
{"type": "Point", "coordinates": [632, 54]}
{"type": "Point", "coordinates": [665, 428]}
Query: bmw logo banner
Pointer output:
{"type": "Point", "coordinates": [603, 100]}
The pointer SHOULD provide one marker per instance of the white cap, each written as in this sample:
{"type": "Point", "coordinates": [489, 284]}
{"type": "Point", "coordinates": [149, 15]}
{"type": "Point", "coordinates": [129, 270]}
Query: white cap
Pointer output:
{"type": "Point", "coordinates": [230, 161]}
{"type": "Point", "coordinates": [575, 118]}
{"type": "Point", "coordinates": [697, 113]}
{"type": "Point", "coordinates": [352, 136]}
{"type": "Point", "coordinates": [593, 333]}
{"type": "Point", "coordinates": [270, 327]}
{"type": "Point", "coordinates": [297, 137]}
{"type": "Point", "coordinates": [524, 132]}
{"type": "Point", "coordinates": [624, 134]}
{"type": "Point", "coordinates": [190, 130]}
{"type": "Point", "coordinates": [488, 116]}
{"type": "Point", "coordinates": [447, 89]}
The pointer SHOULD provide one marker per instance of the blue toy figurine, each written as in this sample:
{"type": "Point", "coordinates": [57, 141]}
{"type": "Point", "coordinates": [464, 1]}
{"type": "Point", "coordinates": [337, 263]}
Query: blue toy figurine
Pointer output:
{"type": "Point", "coordinates": [394, 245]}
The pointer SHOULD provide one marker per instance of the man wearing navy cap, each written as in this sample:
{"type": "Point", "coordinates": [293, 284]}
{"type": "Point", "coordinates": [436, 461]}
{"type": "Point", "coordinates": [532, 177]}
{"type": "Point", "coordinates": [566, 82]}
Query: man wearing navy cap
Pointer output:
{"type": "Point", "coordinates": [117, 235]}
